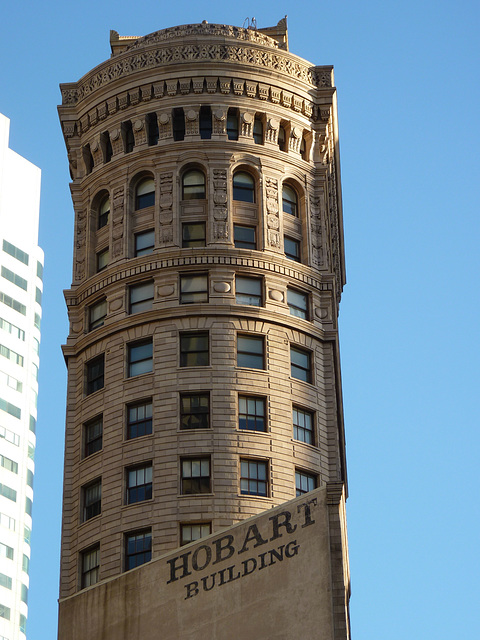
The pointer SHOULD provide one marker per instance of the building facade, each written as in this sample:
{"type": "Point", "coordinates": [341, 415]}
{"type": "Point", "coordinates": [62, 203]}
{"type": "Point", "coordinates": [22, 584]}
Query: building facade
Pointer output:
{"type": "Point", "coordinates": [21, 264]}
{"type": "Point", "coordinates": [203, 366]}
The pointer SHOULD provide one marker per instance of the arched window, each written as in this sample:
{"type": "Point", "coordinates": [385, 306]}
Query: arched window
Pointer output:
{"type": "Point", "coordinates": [145, 194]}
{"type": "Point", "coordinates": [103, 212]}
{"type": "Point", "coordinates": [193, 185]}
{"type": "Point", "coordinates": [243, 187]}
{"type": "Point", "coordinates": [289, 200]}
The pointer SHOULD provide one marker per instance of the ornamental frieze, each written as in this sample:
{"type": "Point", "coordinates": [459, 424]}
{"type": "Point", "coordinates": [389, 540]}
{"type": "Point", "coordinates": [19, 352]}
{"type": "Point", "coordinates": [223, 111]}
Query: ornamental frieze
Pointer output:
{"type": "Point", "coordinates": [277, 61]}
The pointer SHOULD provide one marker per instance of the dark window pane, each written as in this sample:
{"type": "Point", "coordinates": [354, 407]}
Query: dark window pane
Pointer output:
{"type": "Point", "coordinates": [251, 413]}
{"type": "Point", "coordinates": [93, 436]}
{"type": "Point", "coordinates": [289, 200]}
{"type": "Point", "coordinates": [243, 187]}
{"type": "Point", "coordinates": [300, 365]}
{"type": "Point", "coordinates": [138, 549]}
{"type": "Point", "coordinates": [145, 194]}
{"type": "Point", "coordinates": [304, 482]}
{"type": "Point", "coordinates": [194, 411]}
{"type": "Point", "coordinates": [140, 358]}
{"type": "Point", "coordinates": [292, 249]}
{"type": "Point", "coordinates": [297, 303]}
{"type": "Point", "coordinates": [144, 242]}
{"type": "Point", "coordinates": [248, 291]}
{"type": "Point", "coordinates": [194, 288]}
{"type": "Point", "coordinates": [193, 234]}
{"type": "Point", "coordinates": [194, 349]}
{"type": "Point", "coordinates": [205, 122]}
{"type": "Point", "coordinates": [250, 352]}
{"type": "Point", "coordinates": [303, 425]}
{"type": "Point", "coordinates": [139, 419]}
{"type": "Point", "coordinates": [244, 237]}
{"type": "Point", "coordinates": [95, 374]}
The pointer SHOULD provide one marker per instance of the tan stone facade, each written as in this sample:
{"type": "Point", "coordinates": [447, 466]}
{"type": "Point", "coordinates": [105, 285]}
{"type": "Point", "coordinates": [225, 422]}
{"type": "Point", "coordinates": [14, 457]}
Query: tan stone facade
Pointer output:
{"type": "Point", "coordinates": [203, 367]}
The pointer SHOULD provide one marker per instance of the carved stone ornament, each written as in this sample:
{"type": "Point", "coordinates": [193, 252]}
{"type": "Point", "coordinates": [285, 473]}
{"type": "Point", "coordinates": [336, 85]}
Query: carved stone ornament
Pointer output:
{"type": "Point", "coordinates": [220, 114]}
{"type": "Point", "coordinates": [273, 221]}
{"type": "Point", "coordinates": [166, 208]}
{"type": "Point", "coordinates": [191, 115]}
{"type": "Point", "coordinates": [222, 287]}
{"type": "Point", "coordinates": [321, 312]}
{"type": "Point", "coordinates": [114, 134]}
{"type": "Point", "coordinates": [165, 290]}
{"type": "Point", "coordinates": [77, 327]}
{"type": "Point", "coordinates": [118, 212]}
{"type": "Point", "coordinates": [80, 239]}
{"type": "Point", "coordinates": [276, 295]}
{"type": "Point", "coordinates": [115, 305]}
{"type": "Point", "coordinates": [138, 125]}
{"type": "Point", "coordinates": [220, 213]}
{"type": "Point", "coordinates": [164, 118]}
{"type": "Point", "coordinates": [247, 117]}
{"type": "Point", "coordinates": [220, 230]}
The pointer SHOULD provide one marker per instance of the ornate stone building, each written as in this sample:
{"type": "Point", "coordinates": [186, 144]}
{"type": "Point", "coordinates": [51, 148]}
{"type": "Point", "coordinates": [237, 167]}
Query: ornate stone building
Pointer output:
{"type": "Point", "coordinates": [203, 365]}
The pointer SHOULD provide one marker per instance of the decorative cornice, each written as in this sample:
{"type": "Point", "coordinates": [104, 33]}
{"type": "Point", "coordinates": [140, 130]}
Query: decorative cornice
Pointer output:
{"type": "Point", "coordinates": [126, 65]}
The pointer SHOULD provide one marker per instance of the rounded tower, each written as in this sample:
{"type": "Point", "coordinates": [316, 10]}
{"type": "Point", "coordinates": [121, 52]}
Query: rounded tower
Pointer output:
{"type": "Point", "coordinates": [203, 366]}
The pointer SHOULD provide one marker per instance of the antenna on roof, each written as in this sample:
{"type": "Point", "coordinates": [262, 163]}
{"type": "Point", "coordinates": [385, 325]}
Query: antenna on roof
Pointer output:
{"type": "Point", "coordinates": [250, 23]}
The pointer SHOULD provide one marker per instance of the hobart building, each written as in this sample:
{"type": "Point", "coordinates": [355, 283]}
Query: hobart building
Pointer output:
{"type": "Point", "coordinates": [205, 476]}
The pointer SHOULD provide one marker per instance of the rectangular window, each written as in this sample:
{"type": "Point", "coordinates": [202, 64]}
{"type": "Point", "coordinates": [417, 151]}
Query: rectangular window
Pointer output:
{"type": "Point", "coordinates": [144, 242]}
{"type": "Point", "coordinates": [139, 483]}
{"type": "Point", "coordinates": [292, 248]}
{"type": "Point", "coordinates": [38, 296]}
{"type": "Point", "coordinates": [95, 374]}
{"type": "Point", "coordinates": [26, 564]}
{"type": "Point", "coordinates": [248, 291]}
{"type": "Point", "coordinates": [4, 612]}
{"type": "Point", "coordinates": [103, 258]}
{"type": "Point", "coordinates": [250, 352]}
{"type": "Point", "coordinates": [9, 523]}
{"type": "Point", "coordinates": [195, 475]}
{"type": "Point", "coordinates": [141, 297]}
{"type": "Point", "coordinates": [251, 413]}
{"type": "Point", "coordinates": [10, 408]}
{"type": "Point", "coordinates": [301, 367]}
{"type": "Point", "coordinates": [8, 492]}
{"type": "Point", "coordinates": [16, 279]}
{"type": "Point", "coordinates": [90, 566]}
{"type": "Point", "coordinates": [92, 500]}
{"type": "Point", "coordinates": [253, 478]}
{"type": "Point", "coordinates": [39, 270]}
{"type": "Point", "coordinates": [93, 436]}
{"type": "Point", "coordinates": [193, 288]}
{"type": "Point", "coordinates": [14, 251]}
{"type": "Point", "coordinates": [11, 355]}
{"type": "Point", "coordinates": [6, 551]}
{"type": "Point", "coordinates": [138, 548]}
{"type": "Point", "coordinates": [97, 314]}
{"type": "Point", "coordinates": [13, 329]}
{"type": "Point", "coordinates": [10, 436]}
{"type": "Point", "coordinates": [194, 410]}
{"type": "Point", "coordinates": [192, 532]}
{"type": "Point", "coordinates": [304, 482]}
{"type": "Point", "coordinates": [5, 581]}
{"type": "Point", "coordinates": [9, 465]}
{"type": "Point", "coordinates": [139, 419]}
{"type": "Point", "coordinates": [194, 349]}
{"type": "Point", "coordinates": [24, 593]}
{"type": "Point", "coordinates": [244, 237]}
{"type": "Point", "coordinates": [13, 304]}
{"type": "Point", "coordinates": [303, 423]}
{"type": "Point", "coordinates": [297, 303]}
{"type": "Point", "coordinates": [193, 234]}
{"type": "Point", "coordinates": [37, 320]}
{"type": "Point", "coordinates": [140, 358]}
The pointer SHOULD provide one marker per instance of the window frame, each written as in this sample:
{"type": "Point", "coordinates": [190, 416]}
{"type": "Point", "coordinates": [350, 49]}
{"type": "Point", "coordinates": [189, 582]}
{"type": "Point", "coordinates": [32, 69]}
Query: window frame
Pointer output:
{"type": "Point", "coordinates": [201, 293]}
{"type": "Point", "coordinates": [233, 127]}
{"type": "Point", "coordinates": [254, 339]}
{"type": "Point", "coordinates": [258, 297]}
{"type": "Point", "coordinates": [103, 216]}
{"type": "Point", "coordinates": [195, 191]}
{"type": "Point", "coordinates": [184, 525]}
{"type": "Point", "coordinates": [146, 199]}
{"type": "Point", "coordinates": [92, 443]}
{"type": "Point", "coordinates": [239, 189]}
{"type": "Point", "coordinates": [91, 508]}
{"type": "Point", "coordinates": [143, 251]}
{"type": "Point", "coordinates": [95, 381]}
{"type": "Point", "coordinates": [200, 483]}
{"type": "Point", "coordinates": [142, 304]}
{"type": "Point", "coordinates": [303, 312]}
{"type": "Point", "coordinates": [290, 204]}
{"type": "Point", "coordinates": [258, 130]}
{"type": "Point", "coordinates": [294, 242]}
{"type": "Point", "coordinates": [93, 309]}
{"type": "Point", "coordinates": [95, 569]}
{"type": "Point", "coordinates": [184, 353]}
{"type": "Point", "coordinates": [301, 432]}
{"type": "Point", "coordinates": [192, 242]}
{"type": "Point", "coordinates": [146, 552]}
{"type": "Point", "coordinates": [245, 244]}
{"type": "Point", "coordinates": [249, 416]}
{"type": "Point", "coordinates": [198, 413]}
{"type": "Point", "coordinates": [143, 424]}
{"type": "Point", "coordinates": [141, 489]}
{"type": "Point", "coordinates": [308, 378]}
{"type": "Point", "coordinates": [254, 479]}
{"type": "Point", "coordinates": [301, 474]}
{"type": "Point", "coordinates": [131, 363]}
{"type": "Point", "coordinates": [102, 259]}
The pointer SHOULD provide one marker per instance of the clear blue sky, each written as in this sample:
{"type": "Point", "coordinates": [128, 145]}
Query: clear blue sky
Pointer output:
{"type": "Point", "coordinates": [408, 92]}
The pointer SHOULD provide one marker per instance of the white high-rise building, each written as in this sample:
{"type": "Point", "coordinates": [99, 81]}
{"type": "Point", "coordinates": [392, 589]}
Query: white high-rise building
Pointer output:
{"type": "Point", "coordinates": [21, 266]}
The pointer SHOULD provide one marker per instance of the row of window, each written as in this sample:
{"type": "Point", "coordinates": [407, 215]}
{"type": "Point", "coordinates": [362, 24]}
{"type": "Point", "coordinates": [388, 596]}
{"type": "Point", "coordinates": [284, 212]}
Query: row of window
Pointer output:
{"type": "Point", "coordinates": [194, 352]}
{"type": "Point", "coordinates": [194, 188]}
{"type": "Point", "coordinates": [205, 129]}
{"type": "Point", "coordinates": [138, 544]}
{"type": "Point", "coordinates": [195, 479]}
{"type": "Point", "coordinates": [194, 289]}
{"type": "Point", "coordinates": [194, 234]}
{"type": "Point", "coordinates": [195, 414]}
